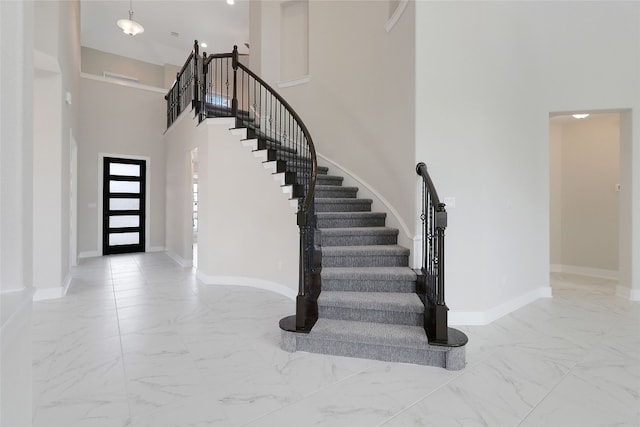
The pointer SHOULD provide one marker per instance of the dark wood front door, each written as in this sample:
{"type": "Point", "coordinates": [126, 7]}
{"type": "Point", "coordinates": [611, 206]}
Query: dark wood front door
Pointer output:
{"type": "Point", "coordinates": [123, 204]}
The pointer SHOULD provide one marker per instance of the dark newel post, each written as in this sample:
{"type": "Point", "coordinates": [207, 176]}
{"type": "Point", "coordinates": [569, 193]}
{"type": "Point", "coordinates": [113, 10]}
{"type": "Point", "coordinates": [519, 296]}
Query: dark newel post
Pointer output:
{"type": "Point", "coordinates": [196, 86]}
{"type": "Point", "coordinates": [301, 300]}
{"type": "Point", "coordinates": [441, 306]}
{"type": "Point", "coordinates": [234, 64]}
{"type": "Point", "coordinates": [203, 110]}
{"type": "Point", "coordinates": [179, 110]}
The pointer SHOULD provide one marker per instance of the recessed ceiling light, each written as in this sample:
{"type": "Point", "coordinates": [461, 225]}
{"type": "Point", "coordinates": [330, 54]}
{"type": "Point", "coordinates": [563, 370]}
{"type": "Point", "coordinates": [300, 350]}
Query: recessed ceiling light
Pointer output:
{"type": "Point", "coordinates": [580, 116]}
{"type": "Point", "coordinates": [230, 1]}
{"type": "Point", "coordinates": [203, 44]}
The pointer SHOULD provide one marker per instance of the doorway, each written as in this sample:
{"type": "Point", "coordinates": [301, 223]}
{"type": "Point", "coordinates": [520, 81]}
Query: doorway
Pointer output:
{"type": "Point", "coordinates": [124, 202]}
{"type": "Point", "coordinates": [585, 182]}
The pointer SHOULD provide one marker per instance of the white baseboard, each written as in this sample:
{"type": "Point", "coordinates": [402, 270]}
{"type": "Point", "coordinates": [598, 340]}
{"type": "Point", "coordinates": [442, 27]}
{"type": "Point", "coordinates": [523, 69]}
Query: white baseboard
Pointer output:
{"type": "Point", "coordinates": [156, 249]}
{"type": "Point", "coordinates": [627, 293]}
{"type": "Point", "coordinates": [247, 281]}
{"type": "Point", "coordinates": [584, 271]}
{"type": "Point", "coordinates": [488, 316]}
{"type": "Point", "coordinates": [89, 254]}
{"type": "Point", "coordinates": [186, 263]}
{"type": "Point", "coordinates": [54, 292]}
{"type": "Point", "coordinates": [41, 294]}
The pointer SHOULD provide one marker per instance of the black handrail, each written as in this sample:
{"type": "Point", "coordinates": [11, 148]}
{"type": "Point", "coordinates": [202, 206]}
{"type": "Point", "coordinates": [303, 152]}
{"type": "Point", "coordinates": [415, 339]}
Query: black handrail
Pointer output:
{"type": "Point", "coordinates": [230, 89]}
{"type": "Point", "coordinates": [184, 91]}
{"type": "Point", "coordinates": [431, 283]}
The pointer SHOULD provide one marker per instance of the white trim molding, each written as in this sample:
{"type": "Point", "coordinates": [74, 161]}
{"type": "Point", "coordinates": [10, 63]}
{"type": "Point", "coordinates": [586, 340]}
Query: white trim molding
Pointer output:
{"type": "Point", "coordinates": [481, 318]}
{"type": "Point", "coordinates": [89, 254]}
{"type": "Point", "coordinates": [251, 282]}
{"type": "Point", "coordinates": [123, 83]}
{"type": "Point", "coordinates": [184, 263]}
{"type": "Point", "coordinates": [156, 249]}
{"type": "Point", "coordinates": [584, 271]}
{"type": "Point", "coordinates": [628, 293]}
{"type": "Point", "coordinates": [54, 292]}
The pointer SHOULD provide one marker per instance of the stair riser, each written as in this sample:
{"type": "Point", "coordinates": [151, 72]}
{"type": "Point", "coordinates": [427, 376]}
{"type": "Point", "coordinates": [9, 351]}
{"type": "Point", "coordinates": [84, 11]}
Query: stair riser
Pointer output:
{"type": "Point", "coordinates": [350, 222]}
{"type": "Point", "coordinates": [365, 261]}
{"type": "Point", "coordinates": [329, 180]}
{"type": "Point", "coordinates": [375, 316]}
{"type": "Point", "coordinates": [371, 239]}
{"type": "Point", "coordinates": [368, 285]}
{"type": "Point", "coordinates": [337, 192]}
{"type": "Point", "coordinates": [342, 207]}
{"type": "Point", "coordinates": [451, 360]}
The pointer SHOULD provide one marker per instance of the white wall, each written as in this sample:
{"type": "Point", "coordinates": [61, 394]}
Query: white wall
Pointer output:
{"type": "Point", "coordinates": [57, 64]}
{"type": "Point", "coordinates": [359, 102]}
{"type": "Point", "coordinates": [119, 120]}
{"type": "Point", "coordinates": [97, 62]}
{"type": "Point", "coordinates": [589, 169]}
{"type": "Point", "coordinates": [555, 193]}
{"type": "Point", "coordinates": [489, 74]}
{"type": "Point", "coordinates": [16, 191]}
{"type": "Point", "coordinates": [247, 232]}
{"type": "Point", "coordinates": [183, 136]}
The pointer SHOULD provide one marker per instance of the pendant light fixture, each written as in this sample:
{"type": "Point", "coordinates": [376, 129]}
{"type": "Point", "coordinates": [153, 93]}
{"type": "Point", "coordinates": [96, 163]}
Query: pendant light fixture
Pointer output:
{"type": "Point", "coordinates": [129, 26]}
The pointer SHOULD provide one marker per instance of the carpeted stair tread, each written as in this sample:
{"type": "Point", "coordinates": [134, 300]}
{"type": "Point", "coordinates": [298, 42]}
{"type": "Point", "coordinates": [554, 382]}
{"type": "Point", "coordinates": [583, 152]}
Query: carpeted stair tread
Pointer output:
{"type": "Point", "coordinates": [384, 301]}
{"type": "Point", "coordinates": [358, 236]}
{"type": "Point", "coordinates": [329, 180]}
{"type": "Point", "coordinates": [370, 333]}
{"type": "Point", "coordinates": [350, 219]}
{"type": "Point", "coordinates": [369, 273]}
{"type": "Point", "coordinates": [367, 250]}
{"type": "Point", "coordinates": [338, 204]}
{"type": "Point", "coordinates": [358, 231]}
{"type": "Point", "coordinates": [335, 191]}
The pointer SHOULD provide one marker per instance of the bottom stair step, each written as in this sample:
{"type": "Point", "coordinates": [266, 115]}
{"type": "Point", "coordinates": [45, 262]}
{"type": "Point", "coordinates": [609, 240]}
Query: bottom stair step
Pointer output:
{"type": "Point", "coordinates": [387, 342]}
{"type": "Point", "coordinates": [379, 307]}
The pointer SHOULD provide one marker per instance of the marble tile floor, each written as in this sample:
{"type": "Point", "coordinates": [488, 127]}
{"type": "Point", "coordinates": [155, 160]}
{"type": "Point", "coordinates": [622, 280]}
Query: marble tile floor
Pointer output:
{"type": "Point", "coordinates": [138, 341]}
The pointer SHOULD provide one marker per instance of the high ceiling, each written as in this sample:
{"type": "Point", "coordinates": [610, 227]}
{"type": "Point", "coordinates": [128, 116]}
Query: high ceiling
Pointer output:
{"type": "Point", "coordinates": [215, 22]}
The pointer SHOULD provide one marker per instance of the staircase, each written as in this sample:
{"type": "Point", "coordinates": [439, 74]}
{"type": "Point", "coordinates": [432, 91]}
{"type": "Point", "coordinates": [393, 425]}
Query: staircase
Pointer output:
{"type": "Point", "coordinates": [368, 306]}
{"type": "Point", "coordinates": [357, 295]}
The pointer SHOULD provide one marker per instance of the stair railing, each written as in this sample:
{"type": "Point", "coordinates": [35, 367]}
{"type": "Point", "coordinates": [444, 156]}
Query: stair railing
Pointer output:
{"type": "Point", "coordinates": [184, 92]}
{"type": "Point", "coordinates": [230, 89]}
{"type": "Point", "coordinates": [431, 282]}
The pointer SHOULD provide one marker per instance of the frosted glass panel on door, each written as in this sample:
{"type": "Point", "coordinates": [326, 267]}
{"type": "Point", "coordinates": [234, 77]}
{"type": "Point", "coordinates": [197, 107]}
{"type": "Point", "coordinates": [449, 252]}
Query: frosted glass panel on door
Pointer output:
{"type": "Point", "coordinates": [124, 186]}
{"type": "Point", "coordinates": [124, 239]}
{"type": "Point", "coordinates": [119, 221]}
{"type": "Point", "coordinates": [124, 169]}
{"type": "Point", "coordinates": [124, 204]}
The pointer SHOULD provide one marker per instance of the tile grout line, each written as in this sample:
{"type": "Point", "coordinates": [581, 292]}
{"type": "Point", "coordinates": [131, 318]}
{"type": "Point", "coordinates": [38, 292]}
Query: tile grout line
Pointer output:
{"type": "Point", "coordinates": [124, 369]}
{"type": "Point", "coordinates": [441, 386]}
{"type": "Point", "coordinates": [569, 372]}
{"type": "Point", "coordinates": [308, 395]}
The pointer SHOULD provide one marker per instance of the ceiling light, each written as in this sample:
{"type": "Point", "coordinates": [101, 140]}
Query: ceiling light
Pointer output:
{"type": "Point", "coordinates": [203, 44]}
{"type": "Point", "coordinates": [231, 2]}
{"type": "Point", "coordinates": [580, 116]}
{"type": "Point", "coordinates": [129, 26]}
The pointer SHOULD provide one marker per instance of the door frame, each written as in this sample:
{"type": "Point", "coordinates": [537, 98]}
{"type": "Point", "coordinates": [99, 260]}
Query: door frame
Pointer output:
{"type": "Point", "coordinates": [147, 210]}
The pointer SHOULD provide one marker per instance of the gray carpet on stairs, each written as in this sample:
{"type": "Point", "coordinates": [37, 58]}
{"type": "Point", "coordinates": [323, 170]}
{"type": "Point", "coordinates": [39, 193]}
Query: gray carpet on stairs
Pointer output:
{"type": "Point", "coordinates": [367, 307]}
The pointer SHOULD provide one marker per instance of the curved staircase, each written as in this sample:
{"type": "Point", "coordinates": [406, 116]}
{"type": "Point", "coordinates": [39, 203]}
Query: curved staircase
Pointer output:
{"type": "Point", "coordinates": [357, 295]}
{"type": "Point", "coordinates": [368, 306]}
